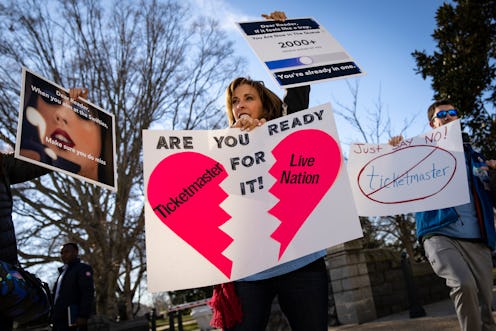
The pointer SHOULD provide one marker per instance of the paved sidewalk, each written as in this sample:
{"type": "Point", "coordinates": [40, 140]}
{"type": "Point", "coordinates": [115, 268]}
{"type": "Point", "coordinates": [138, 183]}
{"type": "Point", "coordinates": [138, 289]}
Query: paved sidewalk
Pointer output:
{"type": "Point", "coordinates": [440, 316]}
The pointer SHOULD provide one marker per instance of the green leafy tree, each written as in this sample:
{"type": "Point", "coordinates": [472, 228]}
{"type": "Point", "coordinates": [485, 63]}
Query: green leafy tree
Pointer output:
{"type": "Point", "coordinates": [152, 64]}
{"type": "Point", "coordinates": [462, 68]}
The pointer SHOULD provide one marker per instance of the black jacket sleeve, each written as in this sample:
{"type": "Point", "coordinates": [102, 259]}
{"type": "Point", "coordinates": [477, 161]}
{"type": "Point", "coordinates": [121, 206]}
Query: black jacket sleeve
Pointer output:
{"type": "Point", "coordinates": [86, 290]}
{"type": "Point", "coordinates": [297, 98]}
{"type": "Point", "coordinates": [19, 171]}
{"type": "Point", "coordinates": [492, 184]}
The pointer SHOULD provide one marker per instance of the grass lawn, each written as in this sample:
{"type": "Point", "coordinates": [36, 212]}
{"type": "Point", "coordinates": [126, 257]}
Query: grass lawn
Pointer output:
{"type": "Point", "coordinates": [189, 323]}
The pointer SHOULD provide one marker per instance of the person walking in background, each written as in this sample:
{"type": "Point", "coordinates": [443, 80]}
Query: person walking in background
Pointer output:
{"type": "Point", "coordinates": [458, 241]}
{"type": "Point", "coordinates": [14, 171]}
{"type": "Point", "coordinates": [73, 292]}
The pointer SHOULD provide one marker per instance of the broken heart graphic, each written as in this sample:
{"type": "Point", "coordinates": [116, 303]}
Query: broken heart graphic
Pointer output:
{"type": "Point", "coordinates": [307, 164]}
{"type": "Point", "coordinates": [184, 186]}
{"type": "Point", "coordinates": [185, 194]}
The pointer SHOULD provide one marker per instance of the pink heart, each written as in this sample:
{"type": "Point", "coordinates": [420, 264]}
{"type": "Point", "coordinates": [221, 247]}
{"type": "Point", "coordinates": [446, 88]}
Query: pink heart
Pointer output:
{"type": "Point", "coordinates": [307, 164]}
{"type": "Point", "coordinates": [184, 192]}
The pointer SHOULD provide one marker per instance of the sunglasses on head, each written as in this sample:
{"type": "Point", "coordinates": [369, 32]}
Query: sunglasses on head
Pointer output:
{"type": "Point", "coordinates": [444, 113]}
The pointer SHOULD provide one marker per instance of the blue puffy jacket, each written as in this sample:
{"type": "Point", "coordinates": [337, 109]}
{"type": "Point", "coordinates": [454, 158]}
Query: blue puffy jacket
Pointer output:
{"type": "Point", "coordinates": [432, 220]}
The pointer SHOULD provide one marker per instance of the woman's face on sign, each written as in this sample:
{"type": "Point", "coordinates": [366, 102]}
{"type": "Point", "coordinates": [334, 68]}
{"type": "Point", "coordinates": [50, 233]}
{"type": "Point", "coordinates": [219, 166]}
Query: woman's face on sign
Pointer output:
{"type": "Point", "coordinates": [71, 136]}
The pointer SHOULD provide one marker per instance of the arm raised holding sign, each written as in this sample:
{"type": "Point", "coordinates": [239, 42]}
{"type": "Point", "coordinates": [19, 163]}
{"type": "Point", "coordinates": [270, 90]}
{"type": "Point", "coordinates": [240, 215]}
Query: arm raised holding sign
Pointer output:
{"type": "Point", "coordinates": [249, 104]}
{"type": "Point", "coordinates": [12, 171]}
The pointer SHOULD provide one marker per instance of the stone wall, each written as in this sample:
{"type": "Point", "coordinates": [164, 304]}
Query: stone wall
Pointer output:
{"type": "Point", "coordinates": [389, 286]}
{"type": "Point", "coordinates": [369, 284]}
{"type": "Point", "coordinates": [387, 281]}
{"type": "Point", "coordinates": [350, 282]}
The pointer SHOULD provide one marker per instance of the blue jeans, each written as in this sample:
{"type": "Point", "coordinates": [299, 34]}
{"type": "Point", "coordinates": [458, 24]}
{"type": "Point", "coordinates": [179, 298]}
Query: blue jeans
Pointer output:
{"type": "Point", "coordinates": [302, 294]}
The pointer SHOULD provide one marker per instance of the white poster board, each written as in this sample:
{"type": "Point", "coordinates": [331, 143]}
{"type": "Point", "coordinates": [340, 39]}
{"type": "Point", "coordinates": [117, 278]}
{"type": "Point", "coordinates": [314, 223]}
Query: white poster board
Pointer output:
{"type": "Point", "coordinates": [298, 51]}
{"type": "Point", "coordinates": [422, 173]}
{"type": "Point", "coordinates": [225, 204]}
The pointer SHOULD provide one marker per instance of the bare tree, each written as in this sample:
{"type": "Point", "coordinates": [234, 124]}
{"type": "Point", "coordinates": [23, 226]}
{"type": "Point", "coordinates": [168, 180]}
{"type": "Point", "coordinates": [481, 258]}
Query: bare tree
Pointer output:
{"type": "Point", "coordinates": [151, 65]}
{"type": "Point", "coordinates": [375, 127]}
{"type": "Point", "coordinates": [398, 232]}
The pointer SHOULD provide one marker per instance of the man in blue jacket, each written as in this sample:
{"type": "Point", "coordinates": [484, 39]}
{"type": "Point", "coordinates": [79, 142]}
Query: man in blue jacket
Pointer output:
{"type": "Point", "coordinates": [73, 292]}
{"type": "Point", "coordinates": [458, 241]}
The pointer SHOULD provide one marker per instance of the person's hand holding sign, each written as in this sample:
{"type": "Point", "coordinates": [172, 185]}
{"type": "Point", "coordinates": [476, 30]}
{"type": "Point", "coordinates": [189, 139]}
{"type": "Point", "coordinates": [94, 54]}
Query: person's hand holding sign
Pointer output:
{"type": "Point", "coordinates": [247, 107]}
{"type": "Point", "coordinates": [276, 15]}
{"type": "Point", "coordinates": [78, 92]}
{"type": "Point", "coordinates": [246, 123]}
{"type": "Point", "coordinates": [396, 140]}
{"type": "Point", "coordinates": [36, 150]}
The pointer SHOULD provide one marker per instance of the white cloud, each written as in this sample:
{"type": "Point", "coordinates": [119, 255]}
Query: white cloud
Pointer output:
{"type": "Point", "coordinates": [222, 11]}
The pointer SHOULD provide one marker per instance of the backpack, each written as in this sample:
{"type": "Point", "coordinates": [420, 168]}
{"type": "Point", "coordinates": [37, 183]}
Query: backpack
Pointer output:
{"type": "Point", "coordinates": [23, 296]}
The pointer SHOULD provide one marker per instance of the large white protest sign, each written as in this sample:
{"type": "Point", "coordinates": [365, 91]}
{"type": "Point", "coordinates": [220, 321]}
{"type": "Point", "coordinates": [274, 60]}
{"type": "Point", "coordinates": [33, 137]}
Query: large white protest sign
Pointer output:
{"type": "Point", "coordinates": [70, 136]}
{"type": "Point", "coordinates": [299, 51]}
{"type": "Point", "coordinates": [425, 172]}
{"type": "Point", "coordinates": [224, 204]}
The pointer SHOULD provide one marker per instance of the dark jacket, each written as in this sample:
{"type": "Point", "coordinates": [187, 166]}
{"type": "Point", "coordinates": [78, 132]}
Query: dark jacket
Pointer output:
{"type": "Point", "coordinates": [76, 290]}
{"type": "Point", "coordinates": [12, 171]}
{"type": "Point", "coordinates": [297, 98]}
{"type": "Point", "coordinates": [432, 220]}
{"type": "Point", "coordinates": [492, 183]}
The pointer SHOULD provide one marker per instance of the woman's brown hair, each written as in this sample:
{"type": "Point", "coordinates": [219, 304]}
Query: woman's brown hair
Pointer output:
{"type": "Point", "coordinates": [272, 104]}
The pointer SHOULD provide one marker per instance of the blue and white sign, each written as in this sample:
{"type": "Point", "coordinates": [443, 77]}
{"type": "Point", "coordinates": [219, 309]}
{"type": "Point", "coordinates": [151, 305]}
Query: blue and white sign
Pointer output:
{"type": "Point", "coordinates": [299, 51]}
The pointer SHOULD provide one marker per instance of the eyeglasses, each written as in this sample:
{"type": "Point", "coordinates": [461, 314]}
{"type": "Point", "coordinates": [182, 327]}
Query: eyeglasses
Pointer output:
{"type": "Point", "coordinates": [444, 113]}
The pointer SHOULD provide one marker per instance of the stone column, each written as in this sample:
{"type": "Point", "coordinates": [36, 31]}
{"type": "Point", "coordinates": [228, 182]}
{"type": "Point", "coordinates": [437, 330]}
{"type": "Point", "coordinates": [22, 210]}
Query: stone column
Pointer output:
{"type": "Point", "coordinates": [350, 283]}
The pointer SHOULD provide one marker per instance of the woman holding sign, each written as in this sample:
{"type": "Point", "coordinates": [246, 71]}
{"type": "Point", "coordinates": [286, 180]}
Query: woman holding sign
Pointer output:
{"type": "Point", "coordinates": [301, 285]}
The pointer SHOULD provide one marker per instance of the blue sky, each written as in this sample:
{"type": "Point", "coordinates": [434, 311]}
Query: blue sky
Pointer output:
{"type": "Point", "coordinates": [379, 35]}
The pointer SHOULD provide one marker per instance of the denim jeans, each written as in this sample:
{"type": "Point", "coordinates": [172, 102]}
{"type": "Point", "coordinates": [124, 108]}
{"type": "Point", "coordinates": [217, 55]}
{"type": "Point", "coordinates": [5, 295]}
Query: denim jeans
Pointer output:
{"type": "Point", "coordinates": [302, 295]}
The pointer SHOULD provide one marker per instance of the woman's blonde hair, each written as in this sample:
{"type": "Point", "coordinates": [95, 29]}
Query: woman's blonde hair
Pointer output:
{"type": "Point", "coordinates": [272, 104]}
